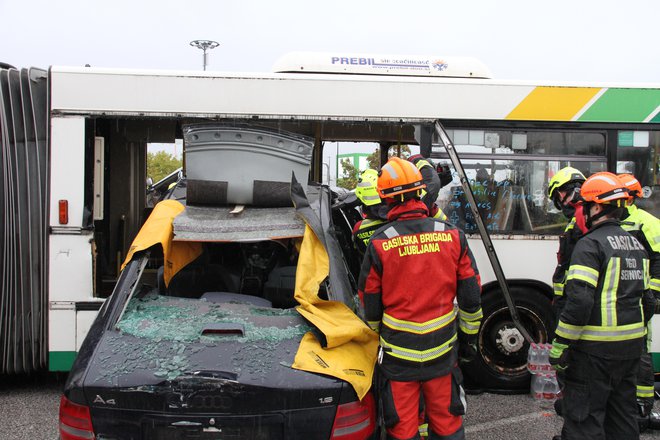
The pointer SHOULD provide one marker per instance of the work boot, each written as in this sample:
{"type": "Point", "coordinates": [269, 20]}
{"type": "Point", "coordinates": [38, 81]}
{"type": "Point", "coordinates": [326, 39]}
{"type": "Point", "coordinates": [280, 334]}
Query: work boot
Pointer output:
{"type": "Point", "coordinates": [556, 437]}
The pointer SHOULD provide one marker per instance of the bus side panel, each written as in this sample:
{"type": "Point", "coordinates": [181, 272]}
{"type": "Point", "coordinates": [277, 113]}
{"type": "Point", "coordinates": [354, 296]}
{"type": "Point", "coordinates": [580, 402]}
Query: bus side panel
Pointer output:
{"type": "Point", "coordinates": [70, 281]}
{"type": "Point", "coordinates": [84, 320]}
{"type": "Point", "coordinates": [654, 329]}
{"type": "Point", "coordinates": [61, 335]}
{"type": "Point", "coordinates": [528, 259]}
{"type": "Point", "coordinates": [67, 172]}
{"type": "Point", "coordinates": [70, 249]}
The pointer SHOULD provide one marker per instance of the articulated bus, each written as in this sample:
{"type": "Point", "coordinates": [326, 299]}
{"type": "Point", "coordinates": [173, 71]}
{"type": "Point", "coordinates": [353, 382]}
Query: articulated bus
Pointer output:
{"type": "Point", "coordinates": [74, 144]}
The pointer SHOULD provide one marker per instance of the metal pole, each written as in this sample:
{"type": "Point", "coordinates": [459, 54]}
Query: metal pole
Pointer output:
{"type": "Point", "coordinates": [485, 237]}
{"type": "Point", "coordinates": [204, 45]}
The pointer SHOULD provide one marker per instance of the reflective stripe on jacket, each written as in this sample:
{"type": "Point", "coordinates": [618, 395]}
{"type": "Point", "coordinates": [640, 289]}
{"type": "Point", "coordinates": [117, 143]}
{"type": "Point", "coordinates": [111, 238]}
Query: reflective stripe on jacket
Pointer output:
{"type": "Point", "coordinates": [438, 213]}
{"type": "Point", "coordinates": [363, 230]}
{"type": "Point", "coordinates": [414, 268]}
{"type": "Point", "coordinates": [567, 242]}
{"type": "Point", "coordinates": [606, 284]}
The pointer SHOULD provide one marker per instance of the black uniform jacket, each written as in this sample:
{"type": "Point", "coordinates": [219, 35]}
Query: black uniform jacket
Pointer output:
{"type": "Point", "coordinates": [608, 301]}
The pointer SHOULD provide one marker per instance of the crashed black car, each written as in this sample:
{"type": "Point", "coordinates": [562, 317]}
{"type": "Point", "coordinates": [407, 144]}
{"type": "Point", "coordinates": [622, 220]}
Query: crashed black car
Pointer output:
{"type": "Point", "coordinates": [198, 339]}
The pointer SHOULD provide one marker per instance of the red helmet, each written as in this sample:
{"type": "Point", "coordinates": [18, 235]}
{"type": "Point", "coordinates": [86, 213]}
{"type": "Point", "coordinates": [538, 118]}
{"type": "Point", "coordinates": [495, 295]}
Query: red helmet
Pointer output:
{"type": "Point", "coordinates": [604, 188]}
{"type": "Point", "coordinates": [632, 184]}
{"type": "Point", "coordinates": [399, 176]}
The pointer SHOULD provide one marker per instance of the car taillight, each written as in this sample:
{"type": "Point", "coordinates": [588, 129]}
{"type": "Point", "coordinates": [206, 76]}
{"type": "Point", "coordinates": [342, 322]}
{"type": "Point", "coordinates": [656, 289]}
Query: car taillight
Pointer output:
{"type": "Point", "coordinates": [355, 420]}
{"type": "Point", "coordinates": [75, 421]}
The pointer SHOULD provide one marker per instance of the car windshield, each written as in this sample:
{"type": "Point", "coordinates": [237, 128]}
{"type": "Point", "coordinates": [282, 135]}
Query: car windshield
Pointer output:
{"type": "Point", "coordinates": [236, 290]}
{"type": "Point", "coordinates": [240, 293]}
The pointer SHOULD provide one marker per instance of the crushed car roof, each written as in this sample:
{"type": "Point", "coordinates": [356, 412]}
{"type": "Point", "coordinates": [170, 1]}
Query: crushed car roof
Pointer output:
{"type": "Point", "coordinates": [247, 223]}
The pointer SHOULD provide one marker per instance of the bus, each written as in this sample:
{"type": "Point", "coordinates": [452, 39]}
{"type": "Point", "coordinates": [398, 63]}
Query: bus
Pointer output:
{"type": "Point", "coordinates": [74, 144]}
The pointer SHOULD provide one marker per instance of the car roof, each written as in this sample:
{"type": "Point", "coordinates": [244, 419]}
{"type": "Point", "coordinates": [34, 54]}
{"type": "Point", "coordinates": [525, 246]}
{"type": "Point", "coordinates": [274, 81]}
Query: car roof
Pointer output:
{"type": "Point", "coordinates": [237, 223]}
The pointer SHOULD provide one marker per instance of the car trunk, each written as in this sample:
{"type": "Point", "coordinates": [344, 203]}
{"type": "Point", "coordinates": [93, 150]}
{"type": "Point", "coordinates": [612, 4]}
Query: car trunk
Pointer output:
{"type": "Point", "coordinates": [191, 368]}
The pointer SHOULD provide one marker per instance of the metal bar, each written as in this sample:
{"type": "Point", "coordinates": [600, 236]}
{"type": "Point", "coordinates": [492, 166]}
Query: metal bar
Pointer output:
{"type": "Point", "coordinates": [485, 237]}
{"type": "Point", "coordinates": [5, 292]}
{"type": "Point", "coordinates": [523, 157]}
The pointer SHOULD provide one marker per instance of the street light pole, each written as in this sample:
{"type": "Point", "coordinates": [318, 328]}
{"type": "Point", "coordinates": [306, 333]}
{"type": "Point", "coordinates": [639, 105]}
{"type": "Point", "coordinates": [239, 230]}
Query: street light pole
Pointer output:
{"type": "Point", "coordinates": [204, 45]}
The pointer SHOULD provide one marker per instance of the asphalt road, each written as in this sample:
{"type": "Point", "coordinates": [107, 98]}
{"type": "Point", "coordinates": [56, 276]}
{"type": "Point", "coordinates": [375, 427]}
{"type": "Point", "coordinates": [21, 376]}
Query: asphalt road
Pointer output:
{"type": "Point", "coordinates": [29, 410]}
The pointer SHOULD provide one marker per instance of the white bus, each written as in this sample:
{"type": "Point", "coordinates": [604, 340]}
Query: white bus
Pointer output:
{"type": "Point", "coordinates": [74, 144]}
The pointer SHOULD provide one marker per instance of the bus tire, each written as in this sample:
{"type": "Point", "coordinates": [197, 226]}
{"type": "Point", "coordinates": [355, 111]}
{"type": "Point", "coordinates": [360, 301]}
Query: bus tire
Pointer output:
{"type": "Point", "coordinates": [500, 365]}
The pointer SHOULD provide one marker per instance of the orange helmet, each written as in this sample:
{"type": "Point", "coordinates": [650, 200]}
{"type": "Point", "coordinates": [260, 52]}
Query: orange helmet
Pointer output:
{"type": "Point", "coordinates": [632, 184]}
{"type": "Point", "coordinates": [604, 188]}
{"type": "Point", "coordinates": [399, 176]}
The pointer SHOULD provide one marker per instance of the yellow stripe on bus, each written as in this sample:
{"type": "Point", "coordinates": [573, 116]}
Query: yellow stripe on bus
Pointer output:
{"type": "Point", "coordinates": [553, 103]}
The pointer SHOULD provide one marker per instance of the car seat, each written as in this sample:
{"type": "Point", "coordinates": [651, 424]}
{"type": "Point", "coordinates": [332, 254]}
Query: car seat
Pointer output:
{"type": "Point", "coordinates": [280, 286]}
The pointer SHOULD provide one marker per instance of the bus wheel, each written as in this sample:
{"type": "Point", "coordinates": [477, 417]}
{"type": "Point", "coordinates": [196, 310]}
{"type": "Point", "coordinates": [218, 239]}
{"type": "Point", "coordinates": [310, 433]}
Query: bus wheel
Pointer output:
{"type": "Point", "coordinates": [502, 358]}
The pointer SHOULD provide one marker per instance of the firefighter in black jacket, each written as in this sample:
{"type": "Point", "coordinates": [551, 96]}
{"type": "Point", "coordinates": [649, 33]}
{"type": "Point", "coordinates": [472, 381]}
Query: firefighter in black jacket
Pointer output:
{"type": "Point", "coordinates": [564, 191]}
{"type": "Point", "coordinates": [413, 270]}
{"type": "Point", "coordinates": [600, 333]}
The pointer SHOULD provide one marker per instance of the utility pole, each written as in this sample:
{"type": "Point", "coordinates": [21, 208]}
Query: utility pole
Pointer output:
{"type": "Point", "coordinates": [205, 45]}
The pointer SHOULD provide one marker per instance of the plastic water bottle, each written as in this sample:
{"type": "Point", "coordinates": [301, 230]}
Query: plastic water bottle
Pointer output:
{"type": "Point", "coordinates": [544, 358]}
{"type": "Point", "coordinates": [536, 387]}
{"type": "Point", "coordinates": [550, 390]}
{"type": "Point", "coordinates": [533, 359]}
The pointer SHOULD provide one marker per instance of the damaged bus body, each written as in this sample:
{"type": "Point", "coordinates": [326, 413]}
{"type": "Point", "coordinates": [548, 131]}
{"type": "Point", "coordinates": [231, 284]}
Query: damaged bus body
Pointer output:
{"type": "Point", "coordinates": [92, 127]}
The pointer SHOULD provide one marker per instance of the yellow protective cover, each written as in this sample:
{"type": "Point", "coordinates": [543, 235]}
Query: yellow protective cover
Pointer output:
{"type": "Point", "coordinates": [159, 229]}
{"type": "Point", "coordinates": [352, 346]}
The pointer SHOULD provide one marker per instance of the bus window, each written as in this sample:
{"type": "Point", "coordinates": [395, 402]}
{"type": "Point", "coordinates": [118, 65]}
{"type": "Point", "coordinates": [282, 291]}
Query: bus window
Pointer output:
{"type": "Point", "coordinates": [164, 163]}
{"type": "Point", "coordinates": [344, 161]}
{"type": "Point", "coordinates": [550, 143]}
{"type": "Point", "coordinates": [510, 195]}
{"type": "Point", "coordinates": [638, 153]}
{"type": "Point", "coordinates": [509, 171]}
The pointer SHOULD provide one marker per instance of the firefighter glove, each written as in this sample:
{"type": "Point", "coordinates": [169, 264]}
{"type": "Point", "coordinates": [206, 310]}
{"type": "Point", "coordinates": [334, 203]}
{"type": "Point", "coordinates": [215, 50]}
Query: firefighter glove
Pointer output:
{"type": "Point", "coordinates": [559, 356]}
{"type": "Point", "coordinates": [467, 347]}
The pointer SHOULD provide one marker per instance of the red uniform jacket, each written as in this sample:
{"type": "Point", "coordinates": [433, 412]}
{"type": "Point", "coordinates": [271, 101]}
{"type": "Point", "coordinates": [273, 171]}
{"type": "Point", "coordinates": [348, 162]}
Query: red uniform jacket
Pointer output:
{"type": "Point", "coordinates": [414, 269]}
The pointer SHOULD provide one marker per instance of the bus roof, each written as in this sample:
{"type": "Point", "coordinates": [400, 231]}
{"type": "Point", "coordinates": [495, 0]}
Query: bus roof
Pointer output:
{"type": "Point", "coordinates": [343, 97]}
{"type": "Point", "coordinates": [372, 64]}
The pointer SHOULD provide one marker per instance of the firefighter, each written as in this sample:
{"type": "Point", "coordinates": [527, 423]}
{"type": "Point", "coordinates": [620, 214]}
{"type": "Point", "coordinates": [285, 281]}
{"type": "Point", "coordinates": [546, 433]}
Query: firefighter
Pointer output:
{"type": "Point", "coordinates": [413, 270]}
{"type": "Point", "coordinates": [564, 191]}
{"type": "Point", "coordinates": [600, 333]}
{"type": "Point", "coordinates": [646, 228]}
{"type": "Point", "coordinates": [373, 210]}
{"type": "Point", "coordinates": [433, 183]}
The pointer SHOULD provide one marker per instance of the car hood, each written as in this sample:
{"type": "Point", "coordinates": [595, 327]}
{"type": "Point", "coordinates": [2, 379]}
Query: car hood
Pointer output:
{"type": "Point", "coordinates": [167, 353]}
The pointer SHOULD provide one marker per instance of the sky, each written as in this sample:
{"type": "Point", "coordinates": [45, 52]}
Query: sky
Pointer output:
{"type": "Point", "coordinates": [576, 40]}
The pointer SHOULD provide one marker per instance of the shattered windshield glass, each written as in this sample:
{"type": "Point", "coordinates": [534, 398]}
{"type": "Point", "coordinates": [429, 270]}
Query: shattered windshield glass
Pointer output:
{"type": "Point", "coordinates": [170, 334]}
{"type": "Point", "coordinates": [159, 317]}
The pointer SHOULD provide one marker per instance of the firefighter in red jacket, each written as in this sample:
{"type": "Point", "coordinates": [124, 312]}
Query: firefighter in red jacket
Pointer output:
{"type": "Point", "coordinates": [414, 269]}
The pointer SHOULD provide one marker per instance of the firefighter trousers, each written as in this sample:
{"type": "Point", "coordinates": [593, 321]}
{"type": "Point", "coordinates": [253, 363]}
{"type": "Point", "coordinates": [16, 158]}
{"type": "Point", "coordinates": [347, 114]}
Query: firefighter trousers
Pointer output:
{"type": "Point", "coordinates": [444, 404]}
{"type": "Point", "coordinates": [645, 383]}
{"type": "Point", "coordinates": [599, 398]}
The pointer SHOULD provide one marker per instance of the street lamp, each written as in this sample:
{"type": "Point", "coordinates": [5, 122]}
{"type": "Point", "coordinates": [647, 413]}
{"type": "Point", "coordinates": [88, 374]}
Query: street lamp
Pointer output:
{"type": "Point", "coordinates": [205, 45]}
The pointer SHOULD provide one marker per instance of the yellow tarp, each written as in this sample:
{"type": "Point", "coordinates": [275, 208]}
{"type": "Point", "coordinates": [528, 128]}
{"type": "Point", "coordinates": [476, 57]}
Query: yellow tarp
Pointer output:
{"type": "Point", "coordinates": [159, 229]}
{"type": "Point", "coordinates": [352, 346]}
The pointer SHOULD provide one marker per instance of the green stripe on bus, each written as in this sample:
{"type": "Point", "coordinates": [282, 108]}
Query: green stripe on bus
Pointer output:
{"type": "Point", "coordinates": [656, 118]}
{"type": "Point", "coordinates": [61, 360]}
{"type": "Point", "coordinates": [623, 105]}
{"type": "Point", "coordinates": [656, 361]}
